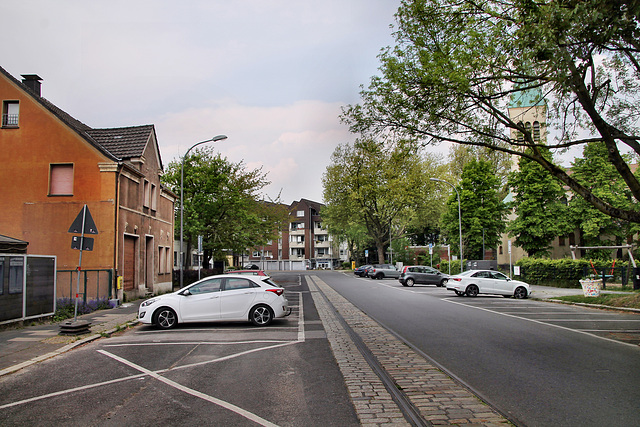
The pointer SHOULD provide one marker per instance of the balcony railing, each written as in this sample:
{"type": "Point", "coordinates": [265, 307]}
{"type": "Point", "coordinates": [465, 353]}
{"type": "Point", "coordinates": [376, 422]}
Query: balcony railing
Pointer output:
{"type": "Point", "coordinates": [10, 120]}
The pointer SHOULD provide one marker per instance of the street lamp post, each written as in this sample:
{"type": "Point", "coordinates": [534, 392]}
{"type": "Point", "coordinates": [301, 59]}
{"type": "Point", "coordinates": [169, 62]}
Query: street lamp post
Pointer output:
{"type": "Point", "coordinates": [459, 215]}
{"type": "Point", "coordinates": [214, 139]}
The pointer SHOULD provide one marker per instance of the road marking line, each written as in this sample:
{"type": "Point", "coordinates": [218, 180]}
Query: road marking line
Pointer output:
{"type": "Point", "coordinates": [90, 386]}
{"type": "Point", "coordinates": [233, 408]}
{"type": "Point", "coordinates": [541, 323]}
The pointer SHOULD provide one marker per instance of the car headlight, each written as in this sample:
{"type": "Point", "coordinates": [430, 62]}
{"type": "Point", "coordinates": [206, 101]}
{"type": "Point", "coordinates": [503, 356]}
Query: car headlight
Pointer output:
{"type": "Point", "coordinates": [148, 302]}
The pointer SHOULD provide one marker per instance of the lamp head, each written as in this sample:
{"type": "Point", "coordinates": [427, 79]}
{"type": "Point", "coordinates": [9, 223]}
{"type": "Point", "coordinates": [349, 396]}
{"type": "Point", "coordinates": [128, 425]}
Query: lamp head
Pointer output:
{"type": "Point", "coordinates": [218, 138]}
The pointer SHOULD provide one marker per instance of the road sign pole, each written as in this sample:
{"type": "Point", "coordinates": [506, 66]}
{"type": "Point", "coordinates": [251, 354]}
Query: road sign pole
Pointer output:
{"type": "Point", "coordinates": [84, 217]}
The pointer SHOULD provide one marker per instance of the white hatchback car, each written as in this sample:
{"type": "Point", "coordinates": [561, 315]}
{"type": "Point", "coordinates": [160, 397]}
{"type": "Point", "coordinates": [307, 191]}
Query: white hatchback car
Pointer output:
{"type": "Point", "coordinates": [474, 282]}
{"type": "Point", "coordinates": [227, 297]}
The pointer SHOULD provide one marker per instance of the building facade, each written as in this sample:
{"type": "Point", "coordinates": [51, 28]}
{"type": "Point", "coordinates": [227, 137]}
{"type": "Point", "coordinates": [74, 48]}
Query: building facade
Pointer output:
{"type": "Point", "coordinates": [305, 244]}
{"type": "Point", "coordinates": [54, 165]}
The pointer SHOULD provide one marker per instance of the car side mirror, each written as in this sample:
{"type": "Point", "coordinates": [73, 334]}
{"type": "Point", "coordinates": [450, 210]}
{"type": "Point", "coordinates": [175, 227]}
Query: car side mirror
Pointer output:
{"type": "Point", "coordinates": [185, 293]}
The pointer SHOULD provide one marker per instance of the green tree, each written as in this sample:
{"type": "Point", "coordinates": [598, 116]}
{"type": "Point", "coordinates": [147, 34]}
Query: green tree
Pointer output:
{"type": "Point", "coordinates": [458, 64]}
{"type": "Point", "coordinates": [482, 211]}
{"type": "Point", "coordinates": [539, 203]}
{"type": "Point", "coordinates": [222, 203]}
{"type": "Point", "coordinates": [596, 173]}
{"type": "Point", "coordinates": [378, 189]}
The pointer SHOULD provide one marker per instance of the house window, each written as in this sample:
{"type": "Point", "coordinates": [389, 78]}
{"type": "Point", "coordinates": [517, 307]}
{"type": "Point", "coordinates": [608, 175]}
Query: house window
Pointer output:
{"type": "Point", "coordinates": [300, 214]}
{"type": "Point", "coordinates": [154, 200]}
{"type": "Point", "coordinates": [147, 194]}
{"type": "Point", "coordinates": [61, 179]}
{"type": "Point", "coordinates": [10, 114]}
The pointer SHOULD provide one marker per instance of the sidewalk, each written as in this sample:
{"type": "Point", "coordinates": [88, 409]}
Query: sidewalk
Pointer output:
{"type": "Point", "coordinates": [24, 346]}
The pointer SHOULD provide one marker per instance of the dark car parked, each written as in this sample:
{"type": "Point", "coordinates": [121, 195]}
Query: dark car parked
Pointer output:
{"type": "Point", "coordinates": [384, 271]}
{"type": "Point", "coordinates": [362, 271]}
{"type": "Point", "coordinates": [422, 275]}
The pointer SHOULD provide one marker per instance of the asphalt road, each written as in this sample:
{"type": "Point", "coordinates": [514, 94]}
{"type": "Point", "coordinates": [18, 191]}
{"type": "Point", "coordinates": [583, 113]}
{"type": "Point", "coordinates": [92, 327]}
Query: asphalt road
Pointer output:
{"type": "Point", "coordinates": [539, 363]}
{"type": "Point", "coordinates": [226, 374]}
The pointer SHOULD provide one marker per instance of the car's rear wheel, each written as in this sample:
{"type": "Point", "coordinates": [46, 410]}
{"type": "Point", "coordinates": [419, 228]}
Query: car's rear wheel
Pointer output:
{"type": "Point", "coordinates": [165, 318]}
{"type": "Point", "coordinates": [410, 282]}
{"type": "Point", "coordinates": [520, 293]}
{"type": "Point", "coordinates": [261, 315]}
{"type": "Point", "coordinates": [442, 283]}
{"type": "Point", "coordinates": [472, 291]}
{"type": "Point", "coordinates": [380, 276]}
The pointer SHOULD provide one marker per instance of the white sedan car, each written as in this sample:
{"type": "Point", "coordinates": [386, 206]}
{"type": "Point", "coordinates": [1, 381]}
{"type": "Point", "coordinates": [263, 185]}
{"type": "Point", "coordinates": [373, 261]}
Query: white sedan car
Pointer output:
{"type": "Point", "coordinates": [227, 297]}
{"type": "Point", "coordinates": [474, 282]}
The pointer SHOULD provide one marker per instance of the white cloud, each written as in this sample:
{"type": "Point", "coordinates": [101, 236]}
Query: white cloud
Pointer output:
{"type": "Point", "coordinates": [272, 75]}
{"type": "Point", "coordinates": [292, 143]}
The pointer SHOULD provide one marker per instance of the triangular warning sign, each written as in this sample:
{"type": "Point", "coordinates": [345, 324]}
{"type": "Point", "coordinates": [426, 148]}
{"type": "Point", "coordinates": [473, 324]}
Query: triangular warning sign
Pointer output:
{"type": "Point", "coordinates": [89, 225]}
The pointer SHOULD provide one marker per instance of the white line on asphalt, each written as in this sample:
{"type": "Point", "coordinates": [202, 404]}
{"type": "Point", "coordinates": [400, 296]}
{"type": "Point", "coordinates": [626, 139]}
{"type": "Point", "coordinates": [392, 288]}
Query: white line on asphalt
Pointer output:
{"type": "Point", "coordinates": [541, 323]}
{"type": "Point", "coordinates": [198, 343]}
{"type": "Point", "coordinates": [221, 359]}
{"type": "Point", "coordinates": [590, 320]}
{"type": "Point", "coordinates": [71, 390]}
{"type": "Point", "coordinates": [242, 412]}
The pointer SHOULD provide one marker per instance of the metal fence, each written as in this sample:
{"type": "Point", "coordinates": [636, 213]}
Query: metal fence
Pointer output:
{"type": "Point", "coordinates": [94, 284]}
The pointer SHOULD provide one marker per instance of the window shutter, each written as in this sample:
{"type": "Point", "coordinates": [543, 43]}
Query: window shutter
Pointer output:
{"type": "Point", "coordinates": [61, 179]}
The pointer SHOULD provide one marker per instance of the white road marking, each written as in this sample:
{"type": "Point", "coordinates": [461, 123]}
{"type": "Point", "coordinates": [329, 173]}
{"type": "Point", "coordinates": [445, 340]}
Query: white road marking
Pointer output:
{"type": "Point", "coordinates": [540, 322]}
{"type": "Point", "coordinates": [248, 415]}
{"type": "Point", "coordinates": [301, 338]}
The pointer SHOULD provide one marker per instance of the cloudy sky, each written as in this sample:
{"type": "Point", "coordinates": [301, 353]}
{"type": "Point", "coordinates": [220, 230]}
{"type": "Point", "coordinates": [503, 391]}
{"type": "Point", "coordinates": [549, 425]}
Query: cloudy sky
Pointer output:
{"type": "Point", "coordinates": [270, 74]}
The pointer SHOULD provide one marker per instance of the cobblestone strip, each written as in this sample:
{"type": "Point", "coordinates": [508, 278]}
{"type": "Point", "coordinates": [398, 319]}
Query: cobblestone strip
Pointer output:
{"type": "Point", "coordinates": [373, 404]}
{"type": "Point", "coordinates": [440, 399]}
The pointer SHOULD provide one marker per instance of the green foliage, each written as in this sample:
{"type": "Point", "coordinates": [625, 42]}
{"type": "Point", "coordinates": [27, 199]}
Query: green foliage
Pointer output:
{"type": "Point", "coordinates": [457, 65]}
{"type": "Point", "coordinates": [538, 202]}
{"type": "Point", "coordinates": [595, 172]}
{"type": "Point", "coordinates": [612, 300]}
{"type": "Point", "coordinates": [66, 307]}
{"type": "Point", "coordinates": [373, 192]}
{"type": "Point", "coordinates": [483, 212]}
{"type": "Point", "coordinates": [222, 203]}
{"type": "Point", "coordinates": [566, 272]}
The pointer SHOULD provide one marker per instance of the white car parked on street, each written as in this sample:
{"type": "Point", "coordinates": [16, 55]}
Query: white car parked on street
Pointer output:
{"type": "Point", "coordinates": [226, 297]}
{"type": "Point", "coordinates": [474, 282]}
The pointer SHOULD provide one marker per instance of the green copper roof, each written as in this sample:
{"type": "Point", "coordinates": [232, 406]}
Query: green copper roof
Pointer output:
{"type": "Point", "coordinates": [527, 98]}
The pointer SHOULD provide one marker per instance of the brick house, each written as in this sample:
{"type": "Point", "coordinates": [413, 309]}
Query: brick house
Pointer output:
{"type": "Point", "coordinates": [305, 244]}
{"type": "Point", "coordinates": [54, 165]}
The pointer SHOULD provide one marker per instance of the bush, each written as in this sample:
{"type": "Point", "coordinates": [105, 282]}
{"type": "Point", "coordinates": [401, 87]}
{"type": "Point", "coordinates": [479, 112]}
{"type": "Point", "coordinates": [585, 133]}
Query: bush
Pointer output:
{"type": "Point", "coordinates": [567, 272]}
{"type": "Point", "coordinates": [65, 307]}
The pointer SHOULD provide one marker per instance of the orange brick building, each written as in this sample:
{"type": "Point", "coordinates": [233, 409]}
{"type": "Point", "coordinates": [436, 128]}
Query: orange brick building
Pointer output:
{"type": "Point", "coordinates": [53, 165]}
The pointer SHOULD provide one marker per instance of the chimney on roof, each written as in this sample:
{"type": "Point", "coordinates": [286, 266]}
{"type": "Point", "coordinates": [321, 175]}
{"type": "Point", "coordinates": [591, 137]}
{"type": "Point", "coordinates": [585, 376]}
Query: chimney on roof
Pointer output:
{"type": "Point", "coordinates": [32, 81]}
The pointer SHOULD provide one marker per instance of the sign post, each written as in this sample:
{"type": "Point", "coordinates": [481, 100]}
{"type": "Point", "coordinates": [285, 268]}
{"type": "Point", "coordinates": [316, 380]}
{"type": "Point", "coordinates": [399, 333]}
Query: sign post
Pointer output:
{"type": "Point", "coordinates": [83, 224]}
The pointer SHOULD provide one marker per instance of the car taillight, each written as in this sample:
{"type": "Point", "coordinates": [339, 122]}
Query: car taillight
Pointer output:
{"type": "Point", "coordinates": [276, 291]}
{"type": "Point", "coordinates": [456, 279]}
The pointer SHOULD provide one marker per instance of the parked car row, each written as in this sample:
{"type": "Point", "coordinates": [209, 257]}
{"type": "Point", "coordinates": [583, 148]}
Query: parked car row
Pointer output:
{"type": "Point", "coordinates": [469, 283]}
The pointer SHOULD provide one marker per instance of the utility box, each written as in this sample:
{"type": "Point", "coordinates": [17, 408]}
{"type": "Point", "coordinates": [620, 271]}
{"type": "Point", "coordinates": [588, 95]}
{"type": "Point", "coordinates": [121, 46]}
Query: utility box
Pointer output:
{"type": "Point", "coordinates": [27, 286]}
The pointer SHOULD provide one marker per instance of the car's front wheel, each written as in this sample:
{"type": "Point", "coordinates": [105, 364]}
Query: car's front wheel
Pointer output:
{"type": "Point", "coordinates": [520, 293]}
{"type": "Point", "coordinates": [410, 282]}
{"type": "Point", "coordinates": [442, 283]}
{"type": "Point", "coordinates": [472, 291]}
{"type": "Point", "coordinates": [165, 318]}
{"type": "Point", "coordinates": [261, 315]}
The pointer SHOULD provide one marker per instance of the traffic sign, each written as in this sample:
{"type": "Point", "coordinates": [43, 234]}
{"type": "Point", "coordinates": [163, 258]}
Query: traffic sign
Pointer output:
{"type": "Point", "coordinates": [84, 217]}
{"type": "Point", "coordinates": [86, 245]}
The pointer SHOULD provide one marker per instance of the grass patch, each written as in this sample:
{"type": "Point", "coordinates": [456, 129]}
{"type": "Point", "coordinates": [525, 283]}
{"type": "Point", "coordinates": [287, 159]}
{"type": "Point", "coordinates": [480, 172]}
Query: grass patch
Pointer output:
{"type": "Point", "coordinates": [630, 300]}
